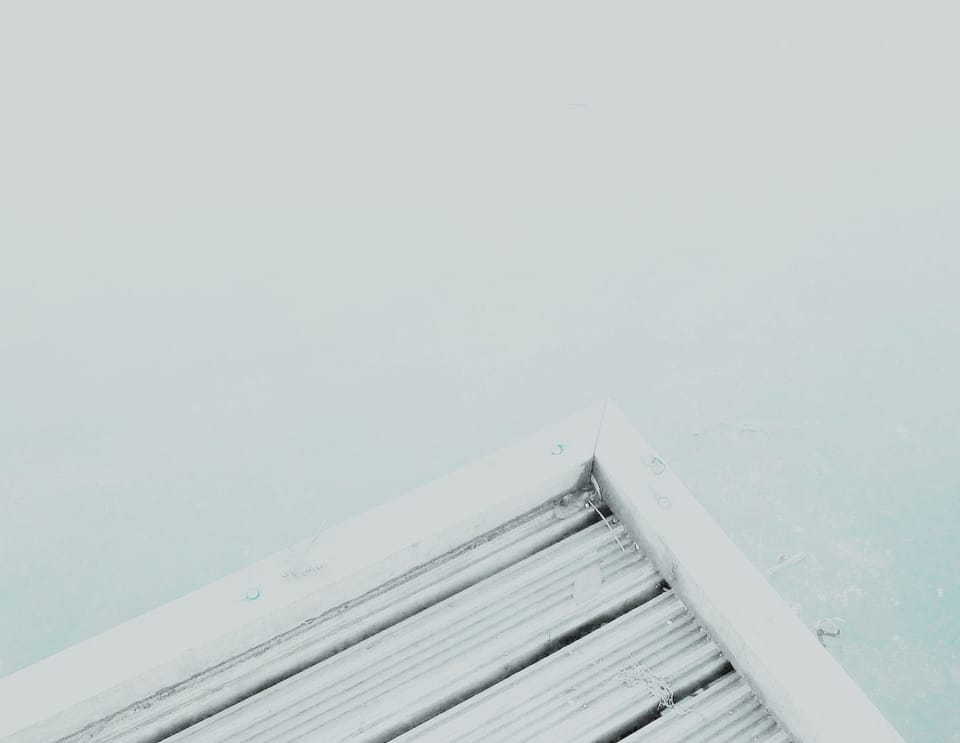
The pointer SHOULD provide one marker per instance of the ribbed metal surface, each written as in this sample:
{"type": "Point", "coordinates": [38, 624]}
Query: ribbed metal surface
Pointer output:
{"type": "Point", "coordinates": [552, 628]}
{"type": "Point", "coordinates": [341, 628]}
{"type": "Point", "coordinates": [727, 711]}
{"type": "Point", "coordinates": [427, 663]}
{"type": "Point", "coordinates": [606, 683]}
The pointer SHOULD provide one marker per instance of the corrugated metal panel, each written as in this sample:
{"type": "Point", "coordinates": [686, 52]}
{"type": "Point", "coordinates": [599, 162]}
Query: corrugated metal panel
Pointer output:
{"type": "Point", "coordinates": [551, 626]}
{"type": "Point", "coordinates": [726, 711]}
{"type": "Point", "coordinates": [578, 640]}
{"type": "Point", "coordinates": [313, 642]}
{"type": "Point", "coordinates": [605, 684]}
{"type": "Point", "coordinates": [427, 663]}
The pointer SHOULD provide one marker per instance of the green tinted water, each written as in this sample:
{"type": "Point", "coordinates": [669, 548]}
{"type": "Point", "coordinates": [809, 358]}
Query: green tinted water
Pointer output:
{"type": "Point", "coordinates": [247, 295]}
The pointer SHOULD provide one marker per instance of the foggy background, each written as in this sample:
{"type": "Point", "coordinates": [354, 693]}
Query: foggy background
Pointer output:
{"type": "Point", "coordinates": [263, 266]}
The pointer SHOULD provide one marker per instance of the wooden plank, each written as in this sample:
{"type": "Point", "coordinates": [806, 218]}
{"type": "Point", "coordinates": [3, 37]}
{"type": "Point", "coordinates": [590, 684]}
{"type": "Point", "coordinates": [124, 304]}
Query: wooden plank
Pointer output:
{"type": "Point", "coordinates": [168, 645]}
{"type": "Point", "coordinates": [794, 676]}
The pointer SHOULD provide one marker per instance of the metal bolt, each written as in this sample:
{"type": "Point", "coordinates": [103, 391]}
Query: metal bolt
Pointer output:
{"type": "Point", "coordinates": [253, 594]}
{"type": "Point", "coordinates": [656, 465]}
{"type": "Point", "coordinates": [663, 502]}
{"type": "Point", "coordinates": [558, 449]}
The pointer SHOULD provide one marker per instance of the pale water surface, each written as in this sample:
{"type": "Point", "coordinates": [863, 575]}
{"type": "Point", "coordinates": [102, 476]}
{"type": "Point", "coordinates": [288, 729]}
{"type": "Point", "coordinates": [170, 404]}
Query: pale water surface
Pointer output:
{"type": "Point", "coordinates": [262, 267]}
